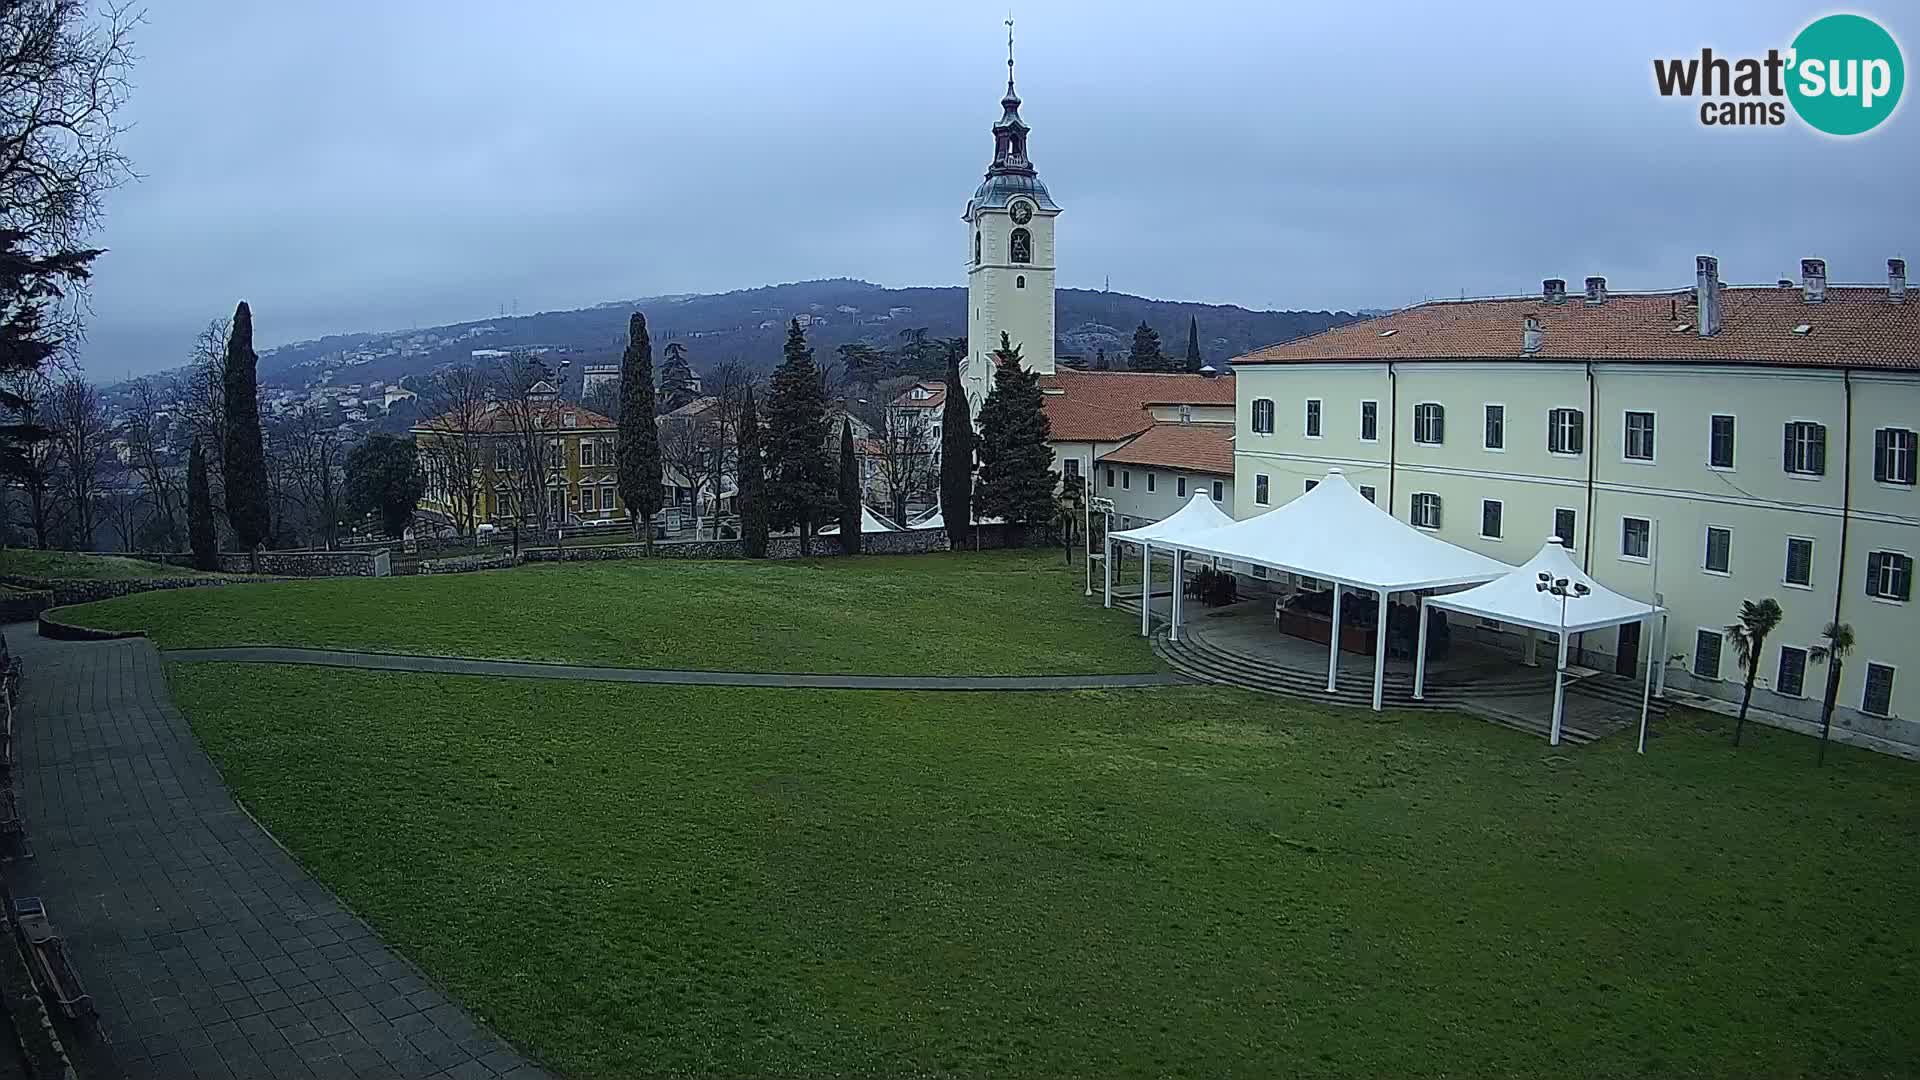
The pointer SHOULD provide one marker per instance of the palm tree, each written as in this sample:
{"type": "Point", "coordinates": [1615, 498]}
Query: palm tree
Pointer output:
{"type": "Point", "coordinates": [1749, 637]}
{"type": "Point", "coordinates": [1836, 644]}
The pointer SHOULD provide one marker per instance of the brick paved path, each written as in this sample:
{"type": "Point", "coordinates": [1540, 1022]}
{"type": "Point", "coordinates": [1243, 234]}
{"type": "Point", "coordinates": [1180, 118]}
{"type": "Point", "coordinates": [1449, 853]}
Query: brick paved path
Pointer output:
{"type": "Point", "coordinates": [208, 951]}
{"type": "Point", "coordinates": [529, 669]}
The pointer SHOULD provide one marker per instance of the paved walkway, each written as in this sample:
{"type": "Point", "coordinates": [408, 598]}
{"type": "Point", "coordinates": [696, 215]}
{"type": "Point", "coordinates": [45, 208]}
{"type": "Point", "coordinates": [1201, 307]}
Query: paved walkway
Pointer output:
{"type": "Point", "coordinates": [207, 950]}
{"type": "Point", "coordinates": [454, 665]}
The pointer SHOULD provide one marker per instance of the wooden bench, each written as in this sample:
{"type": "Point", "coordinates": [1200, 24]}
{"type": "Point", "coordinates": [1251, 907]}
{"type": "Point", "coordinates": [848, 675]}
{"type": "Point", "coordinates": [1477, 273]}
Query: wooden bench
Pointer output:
{"type": "Point", "coordinates": [52, 966]}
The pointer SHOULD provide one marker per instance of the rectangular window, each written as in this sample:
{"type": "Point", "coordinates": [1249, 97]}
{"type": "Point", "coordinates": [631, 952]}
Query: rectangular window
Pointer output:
{"type": "Point", "coordinates": [1639, 436]}
{"type": "Point", "coordinates": [1566, 431]}
{"type": "Point", "coordinates": [1109, 476]}
{"type": "Point", "coordinates": [1490, 511]}
{"type": "Point", "coordinates": [1426, 510]}
{"type": "Point", "coordinates": [1877, 698]}
{"type": "Point", "coordinates": [1799, 562]}
{"type": "Point", "coordinates": [1805, 449]}
{"type": "Point", "coordinates": [1563, 527]}
{"type": "Point", "coordinates": [1219, 491]}
{"type": "Point", "coordinates": [1313, 418]}
{"type": "Point", "coordinates": [1311, 484]}
{"type": "Point", "coordinates": [1496, 427]}
{"type": "Point", "coordinates": [1262, 416]}
{"type": "Point", "coordinates": [1369, 421]}
{"type": "Point", "coordinates": [1792, 679]}
{"type": "Point", "coordinates": [1720, 442]}
{"type": "Point", "coordinates": [1149, 480]}
{"type": "Point", "coordinates": [1636, 535]}
{"type": "Point", "coordinates": [1126, 479]}
{"type": "Point", "coordinates": [1180, 487]}
{"type": "Point", "coordinates": [1072, 469]}
{"type": "Point", "coordinates": [1429, 423]}
{"type": "Point", "coordinates": [586, 453]}
{"type": "Point", "coordinates": [606, 498]}
{"type": "Point", "coordinates": [1719, 549]}
{"type": "Point", "coordinates": [1706, 654]}
{"type": "Point", "coordinates": [1367, 493]}
{"type": "Point", "coordinates": [586, 497]}
{"type": "Point", "coordinates": [1893, 455]}
{"type": "Point", "coordinates": [1260, 489]}
{"type": "Point", "coordinates": [1889, 575]}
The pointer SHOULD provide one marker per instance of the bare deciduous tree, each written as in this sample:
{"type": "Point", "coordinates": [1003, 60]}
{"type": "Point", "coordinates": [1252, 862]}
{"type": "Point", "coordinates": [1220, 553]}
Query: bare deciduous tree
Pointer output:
{"type": "Point", "coordinates": [455, 406]}
{"type": "Point", "coordinates": [525, 445]}
{"type": "Point", "coordinates": [309, 468]}
{"type": "Point", "coordinates": [80, 455]}
{"type": "Point", "coordinates": [158, 473]}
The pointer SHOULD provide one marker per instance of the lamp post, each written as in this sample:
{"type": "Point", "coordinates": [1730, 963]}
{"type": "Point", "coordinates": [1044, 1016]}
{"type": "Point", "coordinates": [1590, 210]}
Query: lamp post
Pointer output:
{"type": "Point", "coordinates": [1563, 589]}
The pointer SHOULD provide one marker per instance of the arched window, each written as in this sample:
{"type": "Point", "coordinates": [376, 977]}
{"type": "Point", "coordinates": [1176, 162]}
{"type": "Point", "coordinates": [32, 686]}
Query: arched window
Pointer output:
{"type": "Point", "coordinates": [976, 249]}
{"type": "Point", "coordinates": [1022, 246]}
{"type": "Point", "coordinates": [1020, 282]}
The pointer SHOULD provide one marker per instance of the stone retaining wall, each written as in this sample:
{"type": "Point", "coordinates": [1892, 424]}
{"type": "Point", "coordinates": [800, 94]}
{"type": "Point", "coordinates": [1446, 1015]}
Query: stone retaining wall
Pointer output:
{"type": "Point", "coordinates": [85, 590]}
{"type": "Point", "coordinates": [22, 606]}
{"type": "Point", "coordinates": [465, 563]}
{"type": "Point", "coordinates": [910, 542]}
{"type": "Point", "coordinates": [296, 564]}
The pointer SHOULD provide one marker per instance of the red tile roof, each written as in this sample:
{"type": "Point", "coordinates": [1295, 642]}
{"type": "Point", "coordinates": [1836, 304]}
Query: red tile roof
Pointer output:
{"type": "Point", "coordinates": [1107, 406]}
{"type": "Point", "coordinates": [934, 400]}
{"type": "Point", "coordinates": [1206, 448]}
{"type": "Point", "coordinates": [1855, 326]}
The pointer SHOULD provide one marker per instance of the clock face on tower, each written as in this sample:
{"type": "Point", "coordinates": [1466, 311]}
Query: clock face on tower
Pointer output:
{"type": "Point", "coordinates": [1022, 213]}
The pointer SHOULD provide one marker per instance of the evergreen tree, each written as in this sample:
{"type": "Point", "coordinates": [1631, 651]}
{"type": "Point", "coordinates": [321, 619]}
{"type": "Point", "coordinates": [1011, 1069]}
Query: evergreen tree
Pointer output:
{"type": "Point", "coordinates": [676, 378]}
{"type": "Point", "coordinates": [638, 455]}
{"type": "Point", "coordinates": [1193, 344]}
{"type": "Point", "coordinates": [800, 483]}
{"type": "Point", "coordinates": [956, 453]}
{"type": "Point", "coordinates": [1146, 354]}
{"type": "Point", "coordinates": [246, 459]}
{"type": "Point", "coordinates": [1017, 480]}
{"type": "Point", "coordinates": [1100, 360]}
{"type": "Point", "coordinates": [384, 478]}
{"type": "Point", "coordinates": [850, 501]}
{"type": "Point", "coordinates": [752, 485]}
{"type": "Point", "coordinates": [200, 511]}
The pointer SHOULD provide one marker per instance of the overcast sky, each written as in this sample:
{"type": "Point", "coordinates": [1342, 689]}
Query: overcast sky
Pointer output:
{"type": "Point", "coordinates": [374, 165]}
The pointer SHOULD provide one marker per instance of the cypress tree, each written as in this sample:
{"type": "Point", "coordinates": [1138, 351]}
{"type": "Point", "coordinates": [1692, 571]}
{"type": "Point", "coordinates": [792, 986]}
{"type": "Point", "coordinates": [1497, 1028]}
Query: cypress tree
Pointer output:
{"type": "Point", "coordinates": [800, 484]}
{"type": "Point", "coordinates": [850, 501]}
{"type": "Point", "coordinates": [1017, 480]}
{"type": "Point", "coordinates": [200, 532]}
{"type": "Point", "coordinates": [1193, 344]}
{"type": "Point", "coordinates": [956, 454]}
{"type": "Point", "coordinates": [752, 485]}
{"type": "Point", "coordinates": [1146, 354]}
{"type": "Point", "coordinates": [638, 456]}
{"type": "Point", "coordinates": [246, 459]}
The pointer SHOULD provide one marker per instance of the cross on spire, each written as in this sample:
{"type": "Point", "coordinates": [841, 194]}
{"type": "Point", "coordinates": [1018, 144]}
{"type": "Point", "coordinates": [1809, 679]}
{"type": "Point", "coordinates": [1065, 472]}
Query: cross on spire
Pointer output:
{"type": "Point", "coordinates": [1009, 52]}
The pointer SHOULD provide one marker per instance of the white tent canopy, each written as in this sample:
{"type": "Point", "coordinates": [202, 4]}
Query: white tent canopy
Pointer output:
{"type": "Point", "coordinates": [1516, 597]}
{"type": "Point", "coordinates": [938, 520]}
{"type": "Point", "coordinates": [870, 522]}
{"type": "Point", "coordinates": [1334, 532]}
{"type": "Point", "coordinates": [1549, 592]}
{"type": "Point", "coordinates": [1200, 515]}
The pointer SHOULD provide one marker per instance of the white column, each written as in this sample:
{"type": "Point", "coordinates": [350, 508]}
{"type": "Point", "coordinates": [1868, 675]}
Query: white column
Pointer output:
{"type": "Point", "coordinates": [1646, 691]}
{"type": "Point", "coordinates": [1333, 642]}
{"type": "Point", "coordinates": [1531, 657]}
{"type": "Point", "coordinates": [1146, 589]}
{"type": "Point", "coordinates": [1106, 570]}
{"type": "Point", "coordinates": [1660, 658]}
{"type": "Point", "coordinates": [1174, 606]}
{"type": "Point", "coordinates": [1559, 690]}
{"type": "Point", "coordinates": [1380, 654]}
{"type": "Point", "coordinates": [1420, 656]}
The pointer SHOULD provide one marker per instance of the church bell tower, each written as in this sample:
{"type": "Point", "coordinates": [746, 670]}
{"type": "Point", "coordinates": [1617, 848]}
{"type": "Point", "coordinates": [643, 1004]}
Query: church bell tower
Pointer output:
{"type": "Point", "coordinates": [1009, 254]}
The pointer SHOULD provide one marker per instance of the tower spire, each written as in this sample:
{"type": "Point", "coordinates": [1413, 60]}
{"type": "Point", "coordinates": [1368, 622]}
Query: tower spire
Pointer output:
{"type": "Point", "coordinates": [1010, 92]}
{"type": "Point", "coordinates": [1010, 134]}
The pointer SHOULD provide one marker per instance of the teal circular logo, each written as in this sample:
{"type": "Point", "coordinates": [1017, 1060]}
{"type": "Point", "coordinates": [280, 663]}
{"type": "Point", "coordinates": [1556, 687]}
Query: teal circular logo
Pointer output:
{"type": "Point", "coordinates": [1846, 75]}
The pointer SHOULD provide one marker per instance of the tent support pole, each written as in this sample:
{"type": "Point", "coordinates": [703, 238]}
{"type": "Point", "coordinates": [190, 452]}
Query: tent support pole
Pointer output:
{"type": "Point", "coordinates": [1559, 689]}
{"type": "Point", "coordinates": [1380, 654]}
{"type": "Point", "coordinates": [1333, 643]}
{"type": "Point", "coordinates": [1420, 657]}
{"type": "Point", "coordinates": [1646, 692]}
{"type": "Point", "coordinates": [1660, 660]}
{"type": "Point", "coordinates": [1146, 589]}
{"type": "Point", "coordinates": [1531, 656]}
{"type": "Point", "coordinates": [1106, 570]}
{"type": "Point", "coordinates": [1174, 605]}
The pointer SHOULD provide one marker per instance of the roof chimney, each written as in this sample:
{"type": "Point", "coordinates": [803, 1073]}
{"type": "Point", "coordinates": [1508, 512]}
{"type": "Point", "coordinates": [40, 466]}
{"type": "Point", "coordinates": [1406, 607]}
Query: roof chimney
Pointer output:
{"type": "Point", "coordinates": [1554, 290]}
{"type": "Point", "coordinates": [1531, 336]}
{"type": "Point", "coordinates": [1706, 294]}
{"type": "Point", "coordinates": [1596, 290]}
{"type": "Point", "coordinates": [1813, 280]}
{"type": "Point", "coordinates": [1897, 280]}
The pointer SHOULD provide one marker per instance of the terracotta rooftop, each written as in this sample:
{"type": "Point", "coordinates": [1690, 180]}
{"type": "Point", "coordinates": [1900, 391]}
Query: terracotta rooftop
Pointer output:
{"type": "Point", "coordinates": [936, 397]}
{"type": "Point", "coordinates": [1206, 448]}
{"type": "Point", "coordinates": [1107, 406]}
{"type": "Point", "coordinates": [1855, 326]}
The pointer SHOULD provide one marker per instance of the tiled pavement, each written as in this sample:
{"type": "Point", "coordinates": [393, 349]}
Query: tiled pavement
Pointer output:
{"type": "Point", "coordinates": [207, 950]}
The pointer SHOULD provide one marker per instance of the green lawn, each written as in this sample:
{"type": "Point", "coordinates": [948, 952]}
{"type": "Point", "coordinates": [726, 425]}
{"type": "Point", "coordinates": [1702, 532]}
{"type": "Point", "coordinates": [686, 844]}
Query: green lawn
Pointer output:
{"type": "Point", "coordinates": [963, 613]}
{"type": "Point", "coordinates": [31, 562]}
{"type": "Point", "coordinates": [1188, 881]}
